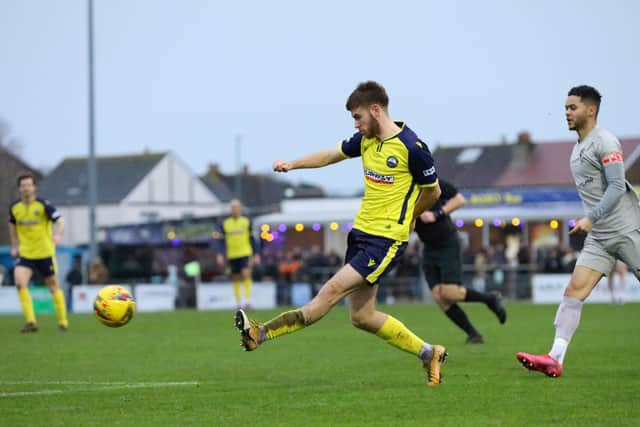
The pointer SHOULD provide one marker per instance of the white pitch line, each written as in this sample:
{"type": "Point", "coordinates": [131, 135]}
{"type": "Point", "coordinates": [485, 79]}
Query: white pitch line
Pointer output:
{"type": "Point", "coordinates": [34, 382]}
{"type": "Point", "coordinates": [29, 393]}
{"type": "Point", "coordinates": [104, 386]}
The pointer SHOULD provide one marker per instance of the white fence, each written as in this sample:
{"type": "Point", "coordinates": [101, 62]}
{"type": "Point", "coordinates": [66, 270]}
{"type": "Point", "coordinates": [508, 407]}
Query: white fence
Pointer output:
{"type": "Point", "coordinates": [153, 297]}
{"type": "Point", "coordinates": [220, 296]}
{"type": "Point", "coordinates": [546, 289]}
{"type": "Point", "coordinates": [549, 288]}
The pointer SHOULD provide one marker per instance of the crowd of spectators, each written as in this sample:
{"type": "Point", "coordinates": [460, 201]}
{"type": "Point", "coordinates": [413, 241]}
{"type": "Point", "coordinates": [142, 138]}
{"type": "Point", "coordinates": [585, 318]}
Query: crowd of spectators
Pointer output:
{"type": "Point", "coordinates": [505, 268]}
{"type": "Point", "coordinates": [493, 267]}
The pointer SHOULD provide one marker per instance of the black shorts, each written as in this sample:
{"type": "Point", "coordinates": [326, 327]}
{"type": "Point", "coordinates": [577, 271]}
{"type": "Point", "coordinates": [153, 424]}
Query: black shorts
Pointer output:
{"type": "Point", "coordinates": [443, 264]}
{"type": "Point", "coordinates": [238, 264]}
{"type": "Point", "coordinates": [372, 256]}
{"type": "Point", "coordinates": [45, 267]}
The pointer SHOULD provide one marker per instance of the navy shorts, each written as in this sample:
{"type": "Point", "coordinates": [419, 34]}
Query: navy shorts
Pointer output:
{"type": "Point", "coordinates": [372, 256]}
{"type": "Point", "coordinates": [44, 266]}
{"type": "Point", "coordinates": [238, 264]}
{"type": "Point", "coordinates": [443, 264]}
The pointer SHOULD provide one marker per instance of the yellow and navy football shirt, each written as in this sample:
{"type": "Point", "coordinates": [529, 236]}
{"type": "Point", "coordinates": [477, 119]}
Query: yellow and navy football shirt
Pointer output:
{"type": "Point", "coordinates": [237, 233]}
{"type": "Point", "coordinates": [34, 227]}
{"type": "Point", "coordinates": [394, 171]}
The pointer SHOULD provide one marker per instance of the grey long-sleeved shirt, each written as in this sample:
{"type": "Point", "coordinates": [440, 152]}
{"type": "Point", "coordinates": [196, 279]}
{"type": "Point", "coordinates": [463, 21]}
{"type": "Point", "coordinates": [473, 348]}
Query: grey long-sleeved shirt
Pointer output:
{"type": "Point", "coordinates": [608, 199]}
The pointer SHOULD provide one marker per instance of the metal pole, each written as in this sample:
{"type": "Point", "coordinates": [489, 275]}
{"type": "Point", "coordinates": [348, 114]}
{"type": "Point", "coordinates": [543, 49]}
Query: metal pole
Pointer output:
{"type": "Point", "coordinates": [239, 171]}
{"type": "Point", "coordinates": [92, 172]}
{"type": "Point", "coordinates": [485, 234]}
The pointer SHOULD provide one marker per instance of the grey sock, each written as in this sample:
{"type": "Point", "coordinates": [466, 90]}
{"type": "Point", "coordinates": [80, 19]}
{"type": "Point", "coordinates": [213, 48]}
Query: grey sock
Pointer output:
{"type": "Point", "coordinates": [567, 317]}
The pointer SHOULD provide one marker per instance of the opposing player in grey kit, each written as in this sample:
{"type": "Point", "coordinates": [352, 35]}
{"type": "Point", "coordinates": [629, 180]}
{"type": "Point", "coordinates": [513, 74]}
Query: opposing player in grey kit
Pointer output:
{"type": "Point", "coordinates": [612, 221]}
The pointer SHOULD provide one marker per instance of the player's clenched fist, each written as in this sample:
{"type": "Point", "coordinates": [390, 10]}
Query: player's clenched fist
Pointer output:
{"type": "Point", "coordinates": [281, 166]}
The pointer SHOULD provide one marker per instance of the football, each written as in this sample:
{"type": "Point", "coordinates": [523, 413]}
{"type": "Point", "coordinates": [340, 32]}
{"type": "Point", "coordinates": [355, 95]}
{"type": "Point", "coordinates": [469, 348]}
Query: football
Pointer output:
{"type": "Point", "coordinates": [114, 306]}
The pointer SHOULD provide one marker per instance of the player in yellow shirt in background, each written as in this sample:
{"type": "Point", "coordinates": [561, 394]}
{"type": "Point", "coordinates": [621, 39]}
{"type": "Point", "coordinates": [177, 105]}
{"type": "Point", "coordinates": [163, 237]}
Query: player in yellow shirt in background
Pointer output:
{"type": "Point", "coordinates": [33, 244]}
{"type": "Point", "coordinates": [239, 250]}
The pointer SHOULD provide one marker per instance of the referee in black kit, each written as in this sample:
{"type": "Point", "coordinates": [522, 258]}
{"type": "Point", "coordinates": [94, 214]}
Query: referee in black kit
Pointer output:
{"type": "Point", "coordinates": [442, 263]}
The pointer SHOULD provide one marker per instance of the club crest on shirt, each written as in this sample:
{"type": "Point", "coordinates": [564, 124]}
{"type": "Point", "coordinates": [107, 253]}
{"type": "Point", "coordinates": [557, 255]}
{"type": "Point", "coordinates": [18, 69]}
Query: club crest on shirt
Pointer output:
{"type": "Point", "coordinates": [392, 162]}
{"type": "Point", "coordinates": [586, 182]}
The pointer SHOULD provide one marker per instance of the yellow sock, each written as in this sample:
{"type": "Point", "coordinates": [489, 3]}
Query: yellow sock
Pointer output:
{"type": "Point", "coordinates": [398, 335]}
{"type": "Point", "coordinates": [61, 307]}
{"type": "Point", "coordinates": [236, 291]}
{"type": "Point", "coordinates": [285, 323]}
{"type": "Point", "coordinates": [247, 288]}
{"type": "Point", "coordinates": [27, 305]}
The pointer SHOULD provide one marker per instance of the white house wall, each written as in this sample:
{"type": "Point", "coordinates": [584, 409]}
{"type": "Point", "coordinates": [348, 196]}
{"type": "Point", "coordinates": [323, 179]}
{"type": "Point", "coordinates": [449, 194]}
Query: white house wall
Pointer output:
{"type": "Point", "coordinates": [171, 182]}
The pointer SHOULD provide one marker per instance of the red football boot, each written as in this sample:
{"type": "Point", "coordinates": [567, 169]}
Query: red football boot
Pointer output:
{"type": "Point", "coordinates": [543, 363]}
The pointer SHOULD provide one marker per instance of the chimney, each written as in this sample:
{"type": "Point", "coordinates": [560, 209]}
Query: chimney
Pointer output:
{"type": "Point", "coordinates": [524, 137]}
{"type": "Point", "coordinates": [522, 150]}
{"type": "Point", "coordinates": [214, 170]}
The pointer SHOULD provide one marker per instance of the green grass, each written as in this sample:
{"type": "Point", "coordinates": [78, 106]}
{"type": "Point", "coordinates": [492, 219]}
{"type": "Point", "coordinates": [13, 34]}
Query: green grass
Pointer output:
{"type": "Point", "coordinates": [329, 374]}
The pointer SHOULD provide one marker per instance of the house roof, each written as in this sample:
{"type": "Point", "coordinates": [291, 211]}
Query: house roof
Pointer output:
{"type": "Point", "coordinates": [548, 164]}
{"type": "Point", "coordinates": [11, 166]}
{"type": "Point", "coordinates": [632, 163]}
{"type": "Point", "coordinates": [523, 164]}
{"type": "Point", "coordinates": [260, 192]}
{"type": "Point", "coordinates": [67, 184]}
{"type": "Point", "coordinates": [216, 184]}
{"type": "Point", "coordinates": [13, 163]}
{"type": "Point", "coordinates": [485, 164]}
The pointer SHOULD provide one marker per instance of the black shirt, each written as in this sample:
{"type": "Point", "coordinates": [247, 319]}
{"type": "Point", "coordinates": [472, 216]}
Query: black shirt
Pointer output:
{"type": "Point", "coordinates": [437, 233]}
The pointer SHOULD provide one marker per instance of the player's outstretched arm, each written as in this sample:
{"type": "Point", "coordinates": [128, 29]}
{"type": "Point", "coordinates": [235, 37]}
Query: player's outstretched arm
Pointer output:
{"type": "Point", "coordinates": [315, 160]}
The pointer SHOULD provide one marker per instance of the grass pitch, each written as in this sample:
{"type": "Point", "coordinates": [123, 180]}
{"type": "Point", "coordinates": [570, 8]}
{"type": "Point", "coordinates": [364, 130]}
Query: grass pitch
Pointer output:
{"type": "Point", "coordinates": [187, 368]}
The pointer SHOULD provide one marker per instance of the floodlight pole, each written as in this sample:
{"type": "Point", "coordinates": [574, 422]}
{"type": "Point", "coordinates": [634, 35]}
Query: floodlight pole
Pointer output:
{"type": "Point", "coordinates": [239, 169]}
{"type": "Point", "coordinates": [92, 172]}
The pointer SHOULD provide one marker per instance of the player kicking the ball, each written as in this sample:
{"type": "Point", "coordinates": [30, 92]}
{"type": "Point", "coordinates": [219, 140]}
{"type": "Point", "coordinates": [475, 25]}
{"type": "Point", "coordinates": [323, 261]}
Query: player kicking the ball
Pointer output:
{"type": "Point", "coordinates": [612, 221]}
{"type": "Point", "coordinates": [400, 183]}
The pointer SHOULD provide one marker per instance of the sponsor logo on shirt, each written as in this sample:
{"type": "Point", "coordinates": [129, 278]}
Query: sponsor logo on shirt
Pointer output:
{"type": "Point", "coordinates": [612, 158]}
{"type": "Point", "coordinates": [377, 177]}
{"type": "Point", "coordinates": [430, 171]}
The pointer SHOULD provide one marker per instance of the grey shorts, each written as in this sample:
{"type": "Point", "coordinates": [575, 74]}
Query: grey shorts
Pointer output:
{"type": "Point", "coordinates": [601, 255]}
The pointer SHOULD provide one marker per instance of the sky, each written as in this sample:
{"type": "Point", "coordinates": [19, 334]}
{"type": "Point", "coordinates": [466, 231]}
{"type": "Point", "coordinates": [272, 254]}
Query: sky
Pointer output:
{"type": "Point", "coordinates": [250, 82]}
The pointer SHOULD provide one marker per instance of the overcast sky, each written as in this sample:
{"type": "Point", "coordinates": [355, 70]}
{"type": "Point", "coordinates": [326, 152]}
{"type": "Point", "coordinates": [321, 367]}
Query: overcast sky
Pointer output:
{"type": "Point", "coordinates": [195, 76]}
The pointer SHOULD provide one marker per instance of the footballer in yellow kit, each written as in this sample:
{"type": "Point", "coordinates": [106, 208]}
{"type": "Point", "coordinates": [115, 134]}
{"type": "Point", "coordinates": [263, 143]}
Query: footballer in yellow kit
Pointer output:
{"type": "Point", "coordinates": [239, 249]}
{"type": "Point", "coordinates": [400, 183]}
{"type": "Point", "coordinates": [33, 243]}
